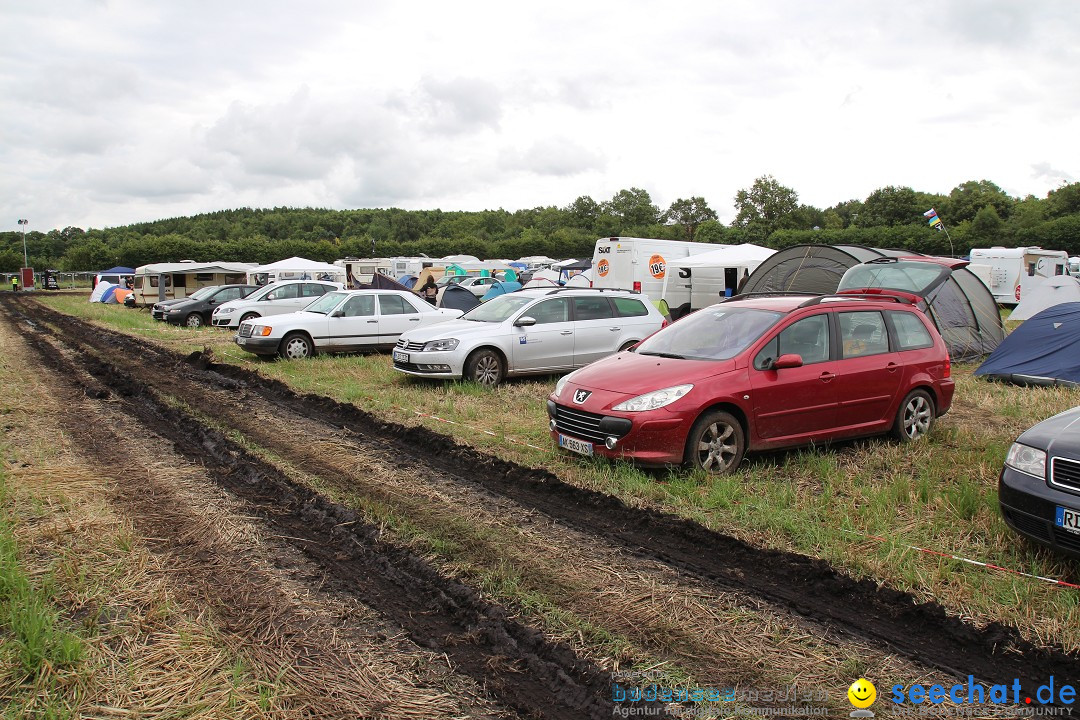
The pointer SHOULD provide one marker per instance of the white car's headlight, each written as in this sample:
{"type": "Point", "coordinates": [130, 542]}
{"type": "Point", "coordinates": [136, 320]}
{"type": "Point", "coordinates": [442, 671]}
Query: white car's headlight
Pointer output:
{"type": "Point", "coordinates": [261, 330]}
{"type": "Point", "coordinates": [223, 310]}
{"type": "Point", "coordinates": [1027, 460]}
{"type": "Point", "coordinates": [655, 399]}
{"type": "Point", "coordinates": [448, 344]}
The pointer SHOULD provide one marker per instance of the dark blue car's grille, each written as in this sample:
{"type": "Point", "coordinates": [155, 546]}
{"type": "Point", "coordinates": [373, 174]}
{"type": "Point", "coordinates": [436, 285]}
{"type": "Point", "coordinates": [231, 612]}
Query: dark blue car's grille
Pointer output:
{"type": "Point", "coordinates": [1067, 540]}
{"type": "Point", "coordinates": [1065, 474]}
{"type": "Point", "coordinates": [1029, 525]}
{"type": "Point", "coordinates": [579, 424]}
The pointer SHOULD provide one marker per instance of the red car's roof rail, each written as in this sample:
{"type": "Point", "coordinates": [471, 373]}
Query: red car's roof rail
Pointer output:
{"type": "Point", "coordinates": [769, 293]}
{"type": "Point", "coordinates": [865, 294]}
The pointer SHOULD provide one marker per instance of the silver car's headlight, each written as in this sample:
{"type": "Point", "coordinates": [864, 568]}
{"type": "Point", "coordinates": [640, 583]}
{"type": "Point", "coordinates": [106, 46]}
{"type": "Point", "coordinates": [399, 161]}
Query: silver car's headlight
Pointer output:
{"type": "Point", "coordinates": [655, 399]}
{"type": "Point", "coordinates": [1027, 460]}
{"type": "Point", "coordinates": [448, 344]}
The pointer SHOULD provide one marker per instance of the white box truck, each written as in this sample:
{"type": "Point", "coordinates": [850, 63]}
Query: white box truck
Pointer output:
{"type": "Point", "coordinates": [641, 265]}
{"type": "Point", "coordinates": [1014, 270]}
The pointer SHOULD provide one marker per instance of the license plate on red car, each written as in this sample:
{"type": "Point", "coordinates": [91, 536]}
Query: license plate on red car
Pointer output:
{"type": "Point", "coordinates": [1068, 519]}
{"type": "Point", "coordinates": [574, 445]}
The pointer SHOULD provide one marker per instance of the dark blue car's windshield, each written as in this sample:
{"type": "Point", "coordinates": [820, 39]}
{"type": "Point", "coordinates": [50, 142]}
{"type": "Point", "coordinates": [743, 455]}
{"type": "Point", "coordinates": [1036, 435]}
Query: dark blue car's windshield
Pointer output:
{"type": "Point", "coordinates": [719, 332]}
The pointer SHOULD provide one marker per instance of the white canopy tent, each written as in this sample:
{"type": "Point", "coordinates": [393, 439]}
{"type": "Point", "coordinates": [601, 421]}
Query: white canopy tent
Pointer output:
{"type": "Point", "coordinates": [296, 268]}
{"type": "Point", "coordinates": [745, 255]}
{"type": "Point", "coordinates": [712, 268]}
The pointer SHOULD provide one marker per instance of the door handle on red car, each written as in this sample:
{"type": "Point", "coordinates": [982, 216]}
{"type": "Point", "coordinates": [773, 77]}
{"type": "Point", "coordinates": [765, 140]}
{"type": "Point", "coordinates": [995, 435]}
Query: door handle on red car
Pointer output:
{"type": "Point", "coordinates": [892, 367]}
{"type": "Point", "coordinates": [827, 376]}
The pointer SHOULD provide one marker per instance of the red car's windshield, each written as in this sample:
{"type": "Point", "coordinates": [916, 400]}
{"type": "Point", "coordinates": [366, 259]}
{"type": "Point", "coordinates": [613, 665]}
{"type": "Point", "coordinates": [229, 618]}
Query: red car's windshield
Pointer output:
{"type": "Point", "coordinates": [719, 332]}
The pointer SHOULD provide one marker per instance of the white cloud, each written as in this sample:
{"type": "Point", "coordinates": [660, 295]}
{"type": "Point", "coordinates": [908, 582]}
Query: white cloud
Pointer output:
{"type": "Point", "coordinates": [119, 111]}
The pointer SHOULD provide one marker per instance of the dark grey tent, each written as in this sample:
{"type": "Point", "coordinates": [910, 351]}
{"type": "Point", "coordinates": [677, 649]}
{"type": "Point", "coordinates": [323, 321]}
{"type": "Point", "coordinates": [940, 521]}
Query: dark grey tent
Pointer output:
{"type": "Point", "coordinates": [962, 308]}
{"type": "Point", "coordinates": [456, 297]}
{"type": "Point", "coordinates": [384, 282]}
{"type": "Point", "coordinates": [814, 269]}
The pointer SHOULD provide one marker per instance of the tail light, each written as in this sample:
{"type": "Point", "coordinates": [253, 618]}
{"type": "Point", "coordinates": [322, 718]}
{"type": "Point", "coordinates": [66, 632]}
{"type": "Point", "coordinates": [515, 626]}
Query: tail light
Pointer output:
{"type": "Point", "coordinates": [637, 286]}
{"type": "Point", "coordinates": [665, 323]}
{"type": "Point", "coordinates": [948, 366]}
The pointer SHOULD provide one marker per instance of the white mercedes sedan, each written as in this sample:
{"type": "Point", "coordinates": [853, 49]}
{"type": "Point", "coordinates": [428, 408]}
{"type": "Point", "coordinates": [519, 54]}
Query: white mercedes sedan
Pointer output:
{"type": "Point", "coordinates": [342, 321]}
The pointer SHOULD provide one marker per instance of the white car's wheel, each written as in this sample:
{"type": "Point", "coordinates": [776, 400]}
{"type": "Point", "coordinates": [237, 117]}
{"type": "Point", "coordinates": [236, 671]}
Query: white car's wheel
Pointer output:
{"type": "Point", "coordinates": [296, 346]}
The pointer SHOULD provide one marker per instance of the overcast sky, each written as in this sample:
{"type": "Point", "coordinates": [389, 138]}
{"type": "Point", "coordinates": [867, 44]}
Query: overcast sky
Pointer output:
{"type": "Point", "coordinates": [119, 112]}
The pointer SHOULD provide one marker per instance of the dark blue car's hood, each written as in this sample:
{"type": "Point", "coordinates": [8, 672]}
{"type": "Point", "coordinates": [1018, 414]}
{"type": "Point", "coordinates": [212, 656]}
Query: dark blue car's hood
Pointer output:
{"type": "Point", "coordinates": [1059, 435]}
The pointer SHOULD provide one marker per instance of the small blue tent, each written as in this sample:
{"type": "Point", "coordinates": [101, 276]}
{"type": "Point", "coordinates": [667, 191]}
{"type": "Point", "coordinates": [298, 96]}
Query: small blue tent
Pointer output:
{"type": "Point", "coordinates": [501, 288]}
{"type": "Point", "coordinates": [1042, 351]}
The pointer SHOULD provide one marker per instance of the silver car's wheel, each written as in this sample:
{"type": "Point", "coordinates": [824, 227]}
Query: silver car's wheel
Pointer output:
{"type": "Point", "coordinates": [296, 347]}
{"type": "Point", "coordinates": [716, 443]}
{"type": "Point", "coordinates": [193, 320]}
{"type": "Point", "coordinates": [914, 418]}
{"type": "Point", "coordinates": [485, 367]}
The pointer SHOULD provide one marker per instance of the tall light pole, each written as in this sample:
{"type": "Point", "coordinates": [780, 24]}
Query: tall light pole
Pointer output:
{"type": "Point", "coordinates": [26, 261]}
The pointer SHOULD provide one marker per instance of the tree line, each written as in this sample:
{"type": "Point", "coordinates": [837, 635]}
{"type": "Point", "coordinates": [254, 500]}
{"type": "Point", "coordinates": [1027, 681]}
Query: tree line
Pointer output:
{"type": "Point", "coordinates": [976, 213]}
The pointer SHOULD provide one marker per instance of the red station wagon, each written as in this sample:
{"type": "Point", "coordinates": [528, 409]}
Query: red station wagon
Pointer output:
{"type": "Point", "coordinates": [759, 373]}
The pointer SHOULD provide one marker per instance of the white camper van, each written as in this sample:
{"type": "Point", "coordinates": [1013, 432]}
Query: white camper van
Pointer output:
{"type": "Point", "coordinates": [1012, 270]}
{"type": "Point", "coordinates": [642, 265]}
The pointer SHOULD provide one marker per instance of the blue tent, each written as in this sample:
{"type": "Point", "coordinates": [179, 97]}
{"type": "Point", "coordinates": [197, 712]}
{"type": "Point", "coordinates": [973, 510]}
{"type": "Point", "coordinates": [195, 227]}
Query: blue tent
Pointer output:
{"type": "Point", "coordinates": [109, 296]}
{"type": "Point", "coordinates": [118, 271]}
{"type": "Point", "coordinates": [1042, 351]}
{"type": "Point", "coordinates": [501, 288]}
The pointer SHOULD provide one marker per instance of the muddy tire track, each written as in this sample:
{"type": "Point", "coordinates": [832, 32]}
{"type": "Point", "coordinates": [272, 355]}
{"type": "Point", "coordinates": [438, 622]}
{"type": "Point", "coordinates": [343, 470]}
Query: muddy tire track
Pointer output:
{"type": "Point", "coordinates": [921, 631]}
{"type": "Point", "coordinates": [519, 666]}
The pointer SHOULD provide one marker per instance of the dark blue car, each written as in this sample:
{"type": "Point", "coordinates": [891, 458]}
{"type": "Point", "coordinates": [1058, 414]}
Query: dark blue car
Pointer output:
{"type": "Point", "coordinates": [1039, 487]}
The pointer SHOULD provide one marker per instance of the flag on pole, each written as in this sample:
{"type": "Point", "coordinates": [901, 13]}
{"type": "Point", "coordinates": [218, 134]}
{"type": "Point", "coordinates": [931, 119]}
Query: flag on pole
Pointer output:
{"type": "Point", "coordinates": [933, 219]}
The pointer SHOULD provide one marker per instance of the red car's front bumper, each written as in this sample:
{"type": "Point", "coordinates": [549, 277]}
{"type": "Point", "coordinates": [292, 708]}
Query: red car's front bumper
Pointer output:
{"type": "Point", "coordinates": [655, 437]}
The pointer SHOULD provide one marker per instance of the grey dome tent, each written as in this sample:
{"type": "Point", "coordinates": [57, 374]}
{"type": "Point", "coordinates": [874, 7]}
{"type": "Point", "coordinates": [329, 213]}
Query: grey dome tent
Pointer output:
{"type": "Point", "coordinates": [963, 308]}
{"type": "Point", "coordinates": [813, 269]}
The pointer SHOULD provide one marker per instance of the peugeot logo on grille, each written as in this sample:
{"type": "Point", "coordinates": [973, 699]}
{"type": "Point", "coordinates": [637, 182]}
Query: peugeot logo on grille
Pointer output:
{"type": "Point", "coordinates": [581, 396]}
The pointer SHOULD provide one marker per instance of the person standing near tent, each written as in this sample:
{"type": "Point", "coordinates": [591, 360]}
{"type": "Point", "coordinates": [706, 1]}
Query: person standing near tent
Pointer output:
{"type": "Point", "coordinates": [14, 283]}
{"type": "Point", "coordinates": [430, 290]}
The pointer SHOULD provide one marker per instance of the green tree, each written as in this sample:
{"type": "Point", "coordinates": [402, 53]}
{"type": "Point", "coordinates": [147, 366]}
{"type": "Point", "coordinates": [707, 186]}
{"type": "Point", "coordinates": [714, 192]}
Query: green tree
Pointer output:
{"type": "Point", "coordinates": [1064, 201]}
{"type": "Point", "coordinates": [583, 212]}
{"type": "Point", "coordinates": [987, 227]}
{"type": "Point", "coordinates": [889, 207]}
{"type": "Point", "coordinates": [967, 199]}
{"type": "Point", "coordinates": [632, 208]}
{"type": "Point", "coordinates": [689, 214]}
{"type": "Point", "coordinates": [765, 207]}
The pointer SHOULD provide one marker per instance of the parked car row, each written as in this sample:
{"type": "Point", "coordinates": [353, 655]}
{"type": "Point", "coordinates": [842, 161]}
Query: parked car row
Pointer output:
{"type": "Point", "coordinates": [748, 374]}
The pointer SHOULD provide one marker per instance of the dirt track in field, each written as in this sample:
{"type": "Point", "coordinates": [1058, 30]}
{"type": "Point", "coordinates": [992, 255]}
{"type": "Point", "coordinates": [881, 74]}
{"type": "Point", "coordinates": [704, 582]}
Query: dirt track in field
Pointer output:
{"type": "Point", "coordinates": [522, 669]}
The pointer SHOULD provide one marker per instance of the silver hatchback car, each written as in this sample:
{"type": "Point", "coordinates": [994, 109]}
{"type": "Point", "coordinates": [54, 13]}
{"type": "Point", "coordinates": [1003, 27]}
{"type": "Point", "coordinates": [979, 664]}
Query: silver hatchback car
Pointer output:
{"type": "Point", "coordinates": [529, 332]}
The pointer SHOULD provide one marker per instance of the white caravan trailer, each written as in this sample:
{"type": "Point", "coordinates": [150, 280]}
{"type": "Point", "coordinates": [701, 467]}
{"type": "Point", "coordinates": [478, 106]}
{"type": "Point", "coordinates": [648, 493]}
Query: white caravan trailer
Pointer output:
{"type": "Point", "coordinates": [642, 264]}
{"type": "Point", "coordinates": [168, 281]}
{"type": "Point", "coordinates": [1013, 269]}
{"type": "Point", "coordinates": [360, 271]}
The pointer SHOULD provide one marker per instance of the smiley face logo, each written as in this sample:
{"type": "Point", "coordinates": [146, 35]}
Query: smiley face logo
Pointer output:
{"type": "Point", "coordinates": [862, 693]}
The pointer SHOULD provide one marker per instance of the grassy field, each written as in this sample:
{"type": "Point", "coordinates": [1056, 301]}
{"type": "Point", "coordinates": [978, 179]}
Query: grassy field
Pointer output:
{"type": "Point", "coordinates": [864, 506]}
